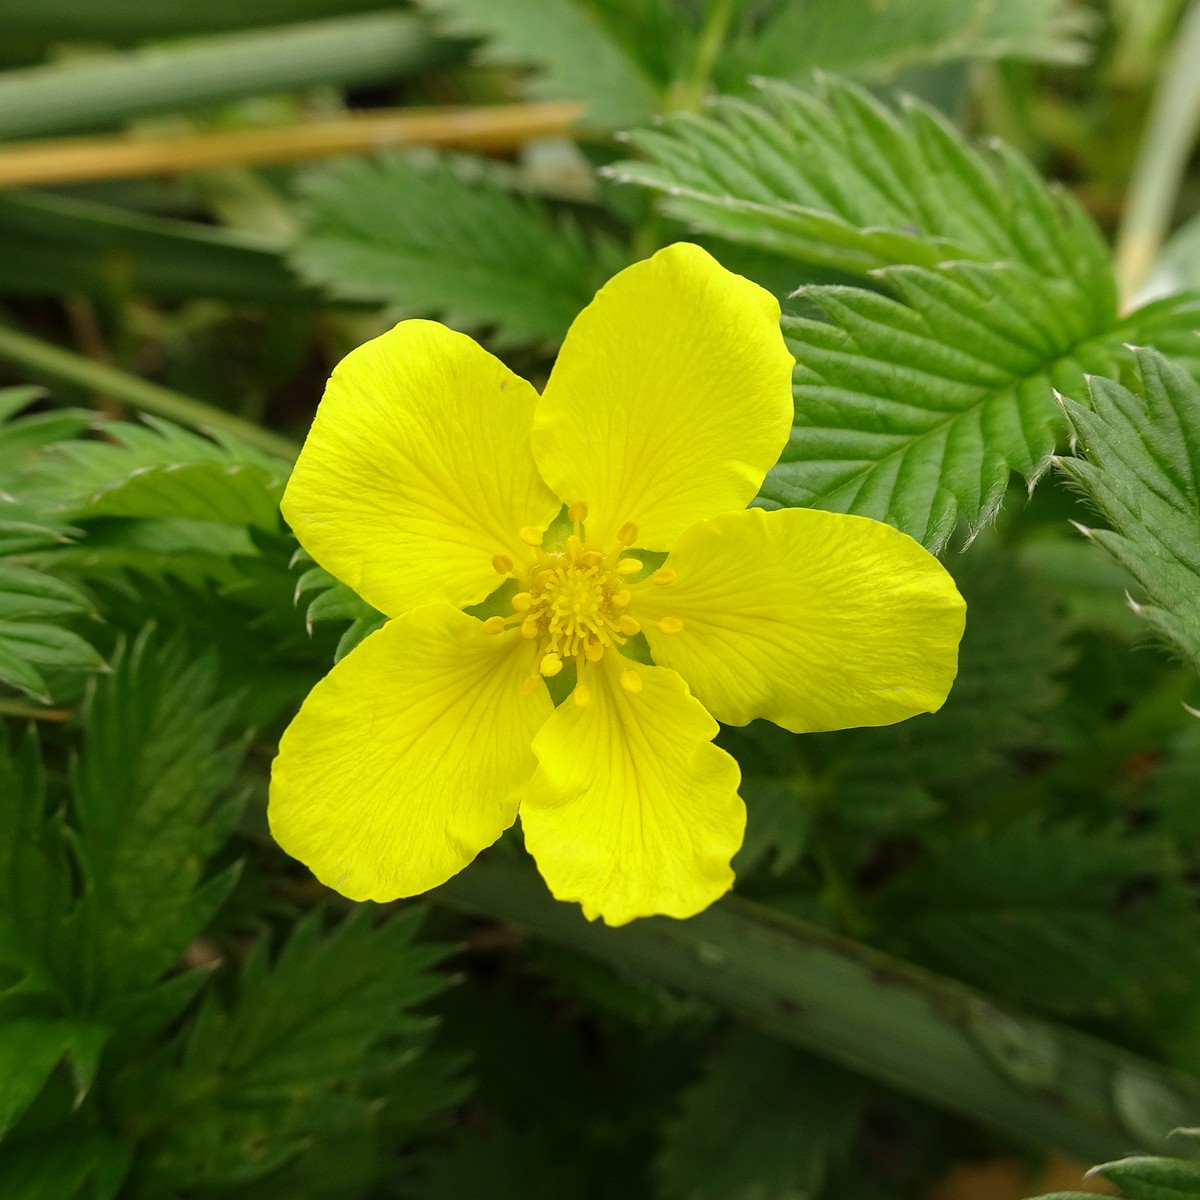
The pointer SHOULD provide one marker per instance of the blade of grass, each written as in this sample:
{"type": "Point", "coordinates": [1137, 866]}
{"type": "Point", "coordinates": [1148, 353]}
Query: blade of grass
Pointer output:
{"type": "Point", "coordinates": [1167, 143]}
{"type": "Point", "coordinates": [497, 129]}
{"type": "Point", "coordinates": [92, 93]}
{"type": "Point", "coordinates": [45, 360]}
{"type": "Point", "coordinates": [1043, 1084]}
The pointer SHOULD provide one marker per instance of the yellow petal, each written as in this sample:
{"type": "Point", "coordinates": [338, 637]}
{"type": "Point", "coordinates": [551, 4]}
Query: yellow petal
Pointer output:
{"type": "Point", "coordinates": [408, 758]}
{"type": "Point", "coordinates": [814, 620]}
{"type": "Point", "coordinates": [633, 811]}
{"type": "Point", "coordinates": [670, 399]}
{"type": "Point", "coordinates": [417, 470]}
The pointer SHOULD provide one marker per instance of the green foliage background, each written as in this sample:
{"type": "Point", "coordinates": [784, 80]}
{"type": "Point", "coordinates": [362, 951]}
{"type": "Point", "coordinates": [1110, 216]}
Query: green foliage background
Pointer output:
{"type": "Point", "coordinates": [972, 936]}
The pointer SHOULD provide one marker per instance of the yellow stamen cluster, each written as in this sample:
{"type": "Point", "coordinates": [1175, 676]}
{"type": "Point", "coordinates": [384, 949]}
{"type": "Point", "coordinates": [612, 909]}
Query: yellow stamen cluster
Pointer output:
{"type": "Point", "coordinates": [576, 602]}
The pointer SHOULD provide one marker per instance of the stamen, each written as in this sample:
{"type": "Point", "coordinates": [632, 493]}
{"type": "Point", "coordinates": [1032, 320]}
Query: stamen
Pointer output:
{"type": "Point", "coordinates": [629, 566]}
{"type": "Point", "coordinates": [670, 625]}
{"type": "Point", "coordinates": [627, 534]}
{"type": "Point", "coordinates": [551, 664]}
{"type": "Point", "coordinates": [631, 681]}
{"type": "Point", "coordinates": [494, 625]}
{"type": "Point", "coordinates": [664, 575]}
{"type": "Point", "coordinates": [594, 651]}
{"type": "Point", "coordinates": [578, 511]}
{"type": "Point", "coordinates": [531, 685]}
{"type": "Point", "coordinates": [581, 696]}
{"type": "Point", "coordinates": [574, 548]}
{"type": "Point", "coordinates": [622, 598]}
{"type": "Point", "coordinates": [502, 563]}
{"type": "Point", "coordinates": [531, 535]}
{"type": "Point", "coordinates": [628, 625]}
{"type": "Point", "coordinates": [529, 628]}
{"type": "Point", "coordinates": [593, 558]}
{"type": "Point", "coordinates": [522, 601]}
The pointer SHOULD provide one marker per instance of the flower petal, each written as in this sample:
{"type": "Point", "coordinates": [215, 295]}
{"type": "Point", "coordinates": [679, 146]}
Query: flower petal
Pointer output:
{"type": "Point", "coordinates": [408, 758]}
{"type": "Point", "coordinates": [417, 470]}
{"type": "Point", "coordinates": [633, 811]}
{"type": "Point", "coordinates": [814, 620]}
{"type": "Point", "coordinates": [670, 399]}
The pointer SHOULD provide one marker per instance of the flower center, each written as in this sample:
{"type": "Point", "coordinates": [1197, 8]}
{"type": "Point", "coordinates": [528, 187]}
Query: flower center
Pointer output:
{"type": "Point", "coordinates": [576, 601]}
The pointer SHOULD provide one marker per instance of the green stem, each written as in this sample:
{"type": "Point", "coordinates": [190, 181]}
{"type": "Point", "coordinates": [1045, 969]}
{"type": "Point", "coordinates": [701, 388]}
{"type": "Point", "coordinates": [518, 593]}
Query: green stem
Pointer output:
{"type": "Point", "coordinates": [708, 50]}
{"type": "Point", "coordinates": [1042, 1084]}
{"type": "Point", "coordinates": [1162, 158]}
{"type": "Point", "coordinates": [43, 359]}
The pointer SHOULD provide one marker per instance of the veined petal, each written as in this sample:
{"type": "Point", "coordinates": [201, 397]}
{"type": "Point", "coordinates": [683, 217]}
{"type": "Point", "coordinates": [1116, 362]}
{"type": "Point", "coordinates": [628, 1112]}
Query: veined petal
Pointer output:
{"type": "Point", "coordinates": [417, 470]}
{"type": "Point", "coordinates": [408, 758]}
{"type": "Point", "coordinates": [633, 811]}
{"type": "Point", "coordinates": [814, 620]}
{"type": "Point", "coordinates": [670, 400]}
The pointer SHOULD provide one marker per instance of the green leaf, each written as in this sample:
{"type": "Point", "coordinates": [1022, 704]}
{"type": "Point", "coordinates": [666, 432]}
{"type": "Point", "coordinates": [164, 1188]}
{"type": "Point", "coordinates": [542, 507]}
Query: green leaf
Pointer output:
{"type": "Point", "coordinates": [423, 236]}
{"type": "Point", "coordinates": [1145, 1178]}
{"type": "Point", "coordinates": [1142, 471]}
{"type": "Point", "coordinates": [57, 1166]}
{"type": "Point", "coordinates": [55, 244]}
{"type": "Point", "coordinates": [836, 179]}
{"type": "Point", "coordinates": [159, 470]}
{"type": "Point", "coordinates": [334, 601]}
{"type": "Point", "coordinates": [313, 1045]}
{"type": "Point", "coordinates": [1069, 919]}
{"type": "Point", "coordinates": [29, 1052]}
{"type": "Point", "coordinates": [569, 43]}
{"type": "Point", "coordinates": [152, 804]}
{"type": "Point", "coordinates": [877, 39]}
{"type": "Point", "coordinates": [763, 1123]}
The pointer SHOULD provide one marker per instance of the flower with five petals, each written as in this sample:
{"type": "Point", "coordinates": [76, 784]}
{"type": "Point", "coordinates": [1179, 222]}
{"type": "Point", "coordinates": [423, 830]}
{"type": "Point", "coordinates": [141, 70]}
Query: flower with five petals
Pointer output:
{"type": "Point", "coordinates": [605, 525]}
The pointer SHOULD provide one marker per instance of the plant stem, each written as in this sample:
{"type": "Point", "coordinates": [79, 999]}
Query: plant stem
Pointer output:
{"type": "Point", "coordinates": [1042, 1084]}
{"type": "Point", "coordinates": [42, 358]}
{"type": "Point", "coordinates": [1166, 144]}
{"type": "Point", "coordinates": [497, 129]}
{"type": "Point", "coordinates": [708, 50]}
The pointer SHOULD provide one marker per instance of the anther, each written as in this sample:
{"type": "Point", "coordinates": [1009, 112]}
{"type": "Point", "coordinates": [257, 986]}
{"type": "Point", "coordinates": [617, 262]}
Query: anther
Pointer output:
{"type": "Point", "coordinates": [531, 685]}
{"type": "Point", "coordinates": [627, 534]}
{"type": "Point", "coordinates": [594, 651]}
{"type": "Point", "coordinates": [629, 566]}
{"type": "Point", "coordinates": [593, 558]}
{"type": "Point", "coordinates": [522, 601]}
{"type": "Point", "coordinates": [574, 547]}
{"type": "Point", "coordinates": [664, 575]}
{"type": "Point", "coordinates": [622, 598]}
{"type": "Point", "coordinates": [581, 696]}
{"type": "Point", "coordinates": [531, 535]}
{"type": "Point", "coordinates": [551, 664]}
{"type": "Point", "coordinates": [502, 563]}
{"type": "Point", "coordinates": [670, 625]}
{"type": "Point", "coordinates": [628, 625]}
{"type": "Point", "coordinates": [494, 625]}
{"type": "Point", "coordinates": [529, 628]}
{"type": "Point", "coordinates": [578, 511]}
{"type": "Point", "coordinates": [631, 681]}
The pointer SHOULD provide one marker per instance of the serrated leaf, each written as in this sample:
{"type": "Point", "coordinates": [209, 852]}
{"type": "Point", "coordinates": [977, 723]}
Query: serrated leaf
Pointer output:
{"type": "Point", "coordinates": [421, 237]}
{"type": "Point", "coordinates": [30, 1050]}
{"type": "Point", "coordinates": [1146, 1178]}
{"type": "Point", "coordinates": [334, 601]}
{"type": "Point", "coordinates": [570, 44]}
{"type": "Point", "coordinates": [876, 39]}
{"type": "Point", "coordinates": [312, 1045]}
{"type": "Point", "coordinates": [836, 179]}
{"type": "Point", "coordinates": [159, 470]}
{"type": "Point", "coordinates": [1142, 471]}
{"type": "Point", "coordinates": [763, 1123]}
{"type": "Point", "coordinates": [57, 1166]}
{"type": "Point", "coordinates": [152, 805]}
{"type": "Point", "coordinates": [1068, 919]}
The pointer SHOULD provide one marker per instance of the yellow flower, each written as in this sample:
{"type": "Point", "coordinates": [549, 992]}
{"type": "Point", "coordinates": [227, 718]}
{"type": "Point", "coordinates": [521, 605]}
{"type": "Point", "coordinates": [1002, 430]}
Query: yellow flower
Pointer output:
{"type": "Point", "coordinates": [434, 476]}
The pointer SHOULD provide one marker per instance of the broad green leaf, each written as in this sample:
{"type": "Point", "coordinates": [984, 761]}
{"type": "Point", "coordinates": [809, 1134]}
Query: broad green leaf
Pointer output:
{"type": "Point", "coordinates": [763, 1123]}
{"type": "Point", "coordinates": [1145, 1178]}
{"type": "Point", "coordinates": [152, 804]}
{"type": "Point", "coordinates": [312, 1045]}
{"type": "Point", "coordinates": [1141, 469]}
{"type": "Point", "coordinates": [570, 45]}
{"type": "Point", "coordinates": [424, 237]}
{"type": "Point", "coordinates": [876, 39]}
{"type": "Point", "coordinates": [837, 179]}
{"type": "Point", "coordinates": [1069, 919]}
